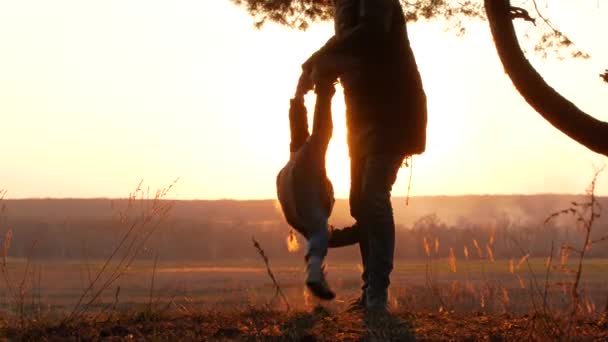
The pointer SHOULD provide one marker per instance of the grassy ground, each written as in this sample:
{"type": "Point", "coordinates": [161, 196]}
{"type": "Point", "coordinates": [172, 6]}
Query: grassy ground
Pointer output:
{"type": "Point", "coordinates": [316, 325]}
{"type": "Point", "coordinates": [55, 286]}
{"type": "Point", "coordinates": [480, 301]}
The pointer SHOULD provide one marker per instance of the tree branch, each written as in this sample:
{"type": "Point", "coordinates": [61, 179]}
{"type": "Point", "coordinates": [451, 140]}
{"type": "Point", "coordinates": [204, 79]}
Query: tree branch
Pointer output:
{"type": "Point", "coordinates": [520, 13]}
{"type": "Point", "coordinates": [556, 109]}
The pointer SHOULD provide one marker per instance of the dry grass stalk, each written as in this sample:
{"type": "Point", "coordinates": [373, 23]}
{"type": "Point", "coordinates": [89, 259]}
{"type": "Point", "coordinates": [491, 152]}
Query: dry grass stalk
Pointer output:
{"type": "Point", "coordinates": [490, 253]}
{"type": "Point", "coordinates": [523, 260]}
{"type": "Point", "coordinates": [3, 193]}
{"type": "Point", "coordinates": [436, 246]}
{"type": "Point", "coordinates": [547, 275]}
{"type": "Point", "coordinates": [152, 282]}
{"type": "Point", "coordinates": [22, 285]}
{"type": "Point", "coordinates": [564, 254]}
{"type": "Point", "coordinates": [549, 324]}
{"type": "Point", "coordinates": [479, 252]}
{"type": "Point", "coordinates": [505, 296]}
{"type": "Point", "coordinates": [452, 260]}
{"type": "Point", "coordinates": [589, 306]}
{"type": "Point", "coordinates": [17, 291]}
{"type": "Point", "coordinates": [141, 224]}
{"type": "Point", "coordinates": [522, 284]}
{"type": "Point", "coordinates": [14, 294]}
{"type": "Point", "coordinates": [6, 245]}
{"type": "Point", "coordinates": [87, 262]}
{"type": "Point", "coordinates": [279, 292]}
{"type": "Point", "coordinates": [429, 273]}
{"type": "Point", "coordinates": [586, 214]}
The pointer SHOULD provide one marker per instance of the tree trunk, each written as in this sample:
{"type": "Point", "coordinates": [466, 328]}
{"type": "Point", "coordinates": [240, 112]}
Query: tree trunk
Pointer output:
{"type": "Point", "coordinates": [556, 109]}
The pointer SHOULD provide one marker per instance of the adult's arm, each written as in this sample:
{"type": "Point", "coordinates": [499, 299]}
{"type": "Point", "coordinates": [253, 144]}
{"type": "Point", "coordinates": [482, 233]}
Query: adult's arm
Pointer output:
{"type": "Point", "coordinates": [322, 126]}
{"type": "Point", "coordinates": [373, 24]}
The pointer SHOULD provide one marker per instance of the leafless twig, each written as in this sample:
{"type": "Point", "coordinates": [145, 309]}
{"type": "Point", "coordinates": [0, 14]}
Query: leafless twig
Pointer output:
{"type": "Point", "coordinates": [586, 214]}
{"type": "Point", "coordinates": [279, 292]}
{"type": "Point", "coordinates": [152, 283]}
{"type": "Point", "coordinates": [547, 274]}
{"type": "Point", "coordinates": [154, 211]}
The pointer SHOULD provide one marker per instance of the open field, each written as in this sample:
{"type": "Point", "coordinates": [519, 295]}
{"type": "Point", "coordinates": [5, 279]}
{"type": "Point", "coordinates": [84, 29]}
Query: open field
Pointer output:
{"type": "Point", "coordinates": [134, 273]}
{"type": "Point", "coordinates": [482, 301]}
{"type": "Point", "coordinates": [232, 286]}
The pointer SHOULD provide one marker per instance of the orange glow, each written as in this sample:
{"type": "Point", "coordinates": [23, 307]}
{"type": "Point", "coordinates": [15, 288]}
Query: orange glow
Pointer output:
{"type": "Point", "coordinates": [292, 242]}
{"type": "Point", "coordinates": [88, 109]}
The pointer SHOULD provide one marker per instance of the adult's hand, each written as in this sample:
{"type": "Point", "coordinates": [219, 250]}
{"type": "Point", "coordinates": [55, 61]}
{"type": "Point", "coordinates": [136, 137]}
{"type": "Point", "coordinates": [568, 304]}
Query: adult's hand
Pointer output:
{"type": "Point", "coordinates": [326, 87]}
{"type": "Point", "coordinates": [305, 84]}
{"type": "Point", "coordinates": [331, 67]}
{"type": "Point", "coordinates": [324, 71]}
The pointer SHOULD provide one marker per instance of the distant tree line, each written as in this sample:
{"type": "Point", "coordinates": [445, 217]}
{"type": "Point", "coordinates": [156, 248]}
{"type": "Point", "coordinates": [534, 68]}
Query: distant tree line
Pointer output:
{"type": "Point", "coordinates": [218, 241]}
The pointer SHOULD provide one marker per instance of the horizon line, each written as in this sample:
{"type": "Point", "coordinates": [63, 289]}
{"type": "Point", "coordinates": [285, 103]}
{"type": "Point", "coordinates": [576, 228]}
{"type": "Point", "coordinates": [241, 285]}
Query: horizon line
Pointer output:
{"type": "Point", "coordinates": [274, 199]}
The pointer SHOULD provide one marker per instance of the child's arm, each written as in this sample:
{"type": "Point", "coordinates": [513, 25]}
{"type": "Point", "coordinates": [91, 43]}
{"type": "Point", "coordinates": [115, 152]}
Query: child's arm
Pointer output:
{"type": "Point", "coordinates": [298, 116]}
{"type": "Point", "coordinates": [323, 124]}
{"type": "Point", "coordinates": [298, 123]}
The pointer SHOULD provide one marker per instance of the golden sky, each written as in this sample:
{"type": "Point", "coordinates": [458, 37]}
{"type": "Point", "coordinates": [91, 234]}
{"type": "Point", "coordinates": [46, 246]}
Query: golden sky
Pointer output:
{"type": "Point", "coordinates": [97, 95]}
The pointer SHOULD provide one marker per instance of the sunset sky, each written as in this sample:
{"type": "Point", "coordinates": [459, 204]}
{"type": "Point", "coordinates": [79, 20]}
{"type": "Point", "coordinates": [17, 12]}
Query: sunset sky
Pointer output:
{"type": "Point", "coordinates": [97, 95]}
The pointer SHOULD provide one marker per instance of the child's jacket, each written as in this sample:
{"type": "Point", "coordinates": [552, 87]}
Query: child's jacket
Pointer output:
{"type": "Point", "coordinates": [304, 191]}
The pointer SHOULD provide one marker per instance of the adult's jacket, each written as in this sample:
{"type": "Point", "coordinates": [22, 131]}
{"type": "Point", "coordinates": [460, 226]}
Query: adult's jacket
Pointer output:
{"type": "Point", "coordinates": [385, 100]}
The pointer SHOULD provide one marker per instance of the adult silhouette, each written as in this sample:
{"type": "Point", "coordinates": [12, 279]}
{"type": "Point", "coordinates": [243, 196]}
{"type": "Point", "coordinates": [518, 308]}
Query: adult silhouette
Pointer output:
{"type": "Point", "coordinates": [386, 119]}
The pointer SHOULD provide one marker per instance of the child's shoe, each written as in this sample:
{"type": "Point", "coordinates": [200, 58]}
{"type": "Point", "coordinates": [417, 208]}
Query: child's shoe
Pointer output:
{"type": "Point", "coordinates": [315, 279]}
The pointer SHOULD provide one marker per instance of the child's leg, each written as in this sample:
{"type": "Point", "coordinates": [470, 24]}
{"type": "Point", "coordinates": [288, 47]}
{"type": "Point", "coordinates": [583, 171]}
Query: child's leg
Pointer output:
{"type": "Point", "coordinates": [315, 277]}
{"type": "Point", "coordinates": [315, 220]}
{"type": "Point", "coordinates": [308, 192]}
{"type": "Point", "coordinates": [318, 239]}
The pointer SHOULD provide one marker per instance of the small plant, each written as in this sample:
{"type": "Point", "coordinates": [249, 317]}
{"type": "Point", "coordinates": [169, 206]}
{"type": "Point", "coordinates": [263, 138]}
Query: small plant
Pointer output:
{"type": "Point", "coordinates": [585, 214]}
{"type": "Point", "coordinates": [430, 273]}
{"type": "Point", "coordinates": [279, 291]}
{"type": "Point", "coordinates": [17, 290]}
{"type": "Point", "coordinates": [142, 217]}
